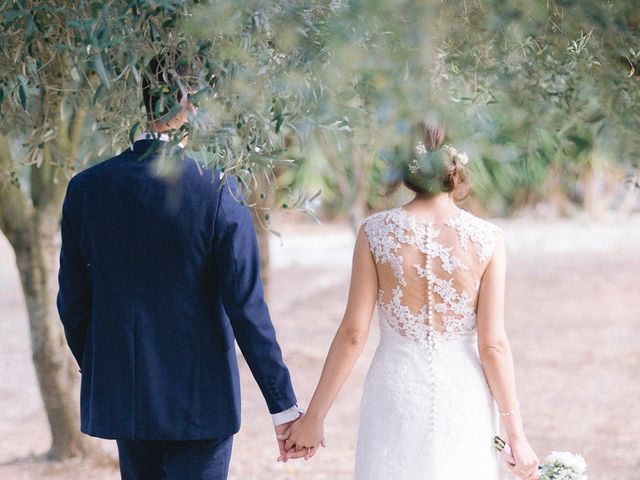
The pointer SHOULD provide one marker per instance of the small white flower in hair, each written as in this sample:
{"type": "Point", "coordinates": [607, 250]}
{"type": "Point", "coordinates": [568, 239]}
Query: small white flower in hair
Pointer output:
{"type": "Point", "coordinates": [460, 156]}
{"type": "Point", "coordinates": [420, 148]}
{"type": "Point", "coordinates": [414, 166]}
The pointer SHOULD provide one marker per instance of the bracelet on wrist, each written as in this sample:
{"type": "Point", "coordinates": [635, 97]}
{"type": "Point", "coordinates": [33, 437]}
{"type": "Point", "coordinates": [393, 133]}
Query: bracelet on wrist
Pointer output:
{"type": "Point", "coordinates": [514, 410]}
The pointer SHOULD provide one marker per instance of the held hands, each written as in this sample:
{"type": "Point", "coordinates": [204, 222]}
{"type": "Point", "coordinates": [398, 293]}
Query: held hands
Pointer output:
{"type": "Point", "coordinates": [301, 438]}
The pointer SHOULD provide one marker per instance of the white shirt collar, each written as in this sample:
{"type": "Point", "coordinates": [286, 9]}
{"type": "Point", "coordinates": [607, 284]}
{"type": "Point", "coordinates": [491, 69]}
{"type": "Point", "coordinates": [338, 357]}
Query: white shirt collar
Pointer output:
{"type": "Point", "coordinates": [163, 137]}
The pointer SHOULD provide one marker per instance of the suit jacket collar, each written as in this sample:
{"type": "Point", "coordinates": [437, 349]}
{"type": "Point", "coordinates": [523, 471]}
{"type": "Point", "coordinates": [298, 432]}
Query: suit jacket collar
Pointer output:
{"type": "Point", "coordinates": [153, 141]}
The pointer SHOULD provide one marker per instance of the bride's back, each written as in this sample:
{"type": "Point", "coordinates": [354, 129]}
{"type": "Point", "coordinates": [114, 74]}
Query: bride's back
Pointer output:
{"type": "Point", "coordinates": [429, 273]}
{"type": "Point", "coordinates": [426, 398]}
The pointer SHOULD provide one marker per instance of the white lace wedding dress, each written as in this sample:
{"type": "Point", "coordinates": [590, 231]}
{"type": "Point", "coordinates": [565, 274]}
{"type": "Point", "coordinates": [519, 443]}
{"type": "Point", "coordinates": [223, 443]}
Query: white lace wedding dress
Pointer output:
{"type": "Point", "coordinates": [427, 412]}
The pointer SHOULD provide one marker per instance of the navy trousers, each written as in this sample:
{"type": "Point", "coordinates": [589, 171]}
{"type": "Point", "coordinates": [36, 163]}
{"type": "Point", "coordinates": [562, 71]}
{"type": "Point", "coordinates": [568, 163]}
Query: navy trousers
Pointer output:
{"type": "Point", "coordinates": [174, 460]}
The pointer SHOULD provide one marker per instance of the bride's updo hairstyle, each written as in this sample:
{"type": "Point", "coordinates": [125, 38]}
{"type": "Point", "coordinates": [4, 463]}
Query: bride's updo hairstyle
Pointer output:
{"type": "Point", "coordinates": [432, 167]}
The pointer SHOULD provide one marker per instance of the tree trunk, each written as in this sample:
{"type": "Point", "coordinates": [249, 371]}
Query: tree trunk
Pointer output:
{"type": "Point", "coordinates": [351, 178]}
{"type": "Point", "coordinates": [36, 249]}
{"type": "Point", "coordinates": [357, 208]}
{"type": "Point", "coordinates": [31, 222]}
{"type": "Point", "coordinates": [591, 202]}
{"type": "Point", "coordinates": [558, 197]}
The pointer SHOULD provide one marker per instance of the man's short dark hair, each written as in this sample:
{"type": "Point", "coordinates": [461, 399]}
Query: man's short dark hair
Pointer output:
{"type": "Point", "coordinates": [168, 76]}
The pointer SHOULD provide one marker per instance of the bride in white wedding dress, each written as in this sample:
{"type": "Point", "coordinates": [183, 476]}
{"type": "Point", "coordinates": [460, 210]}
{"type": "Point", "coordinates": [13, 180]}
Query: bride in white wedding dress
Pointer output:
{"type": "Point", "coordinates": [442, 375]}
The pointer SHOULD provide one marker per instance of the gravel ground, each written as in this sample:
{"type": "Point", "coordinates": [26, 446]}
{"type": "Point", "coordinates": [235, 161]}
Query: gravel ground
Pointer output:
{"type": "Point", "coordinates": [572, 313]}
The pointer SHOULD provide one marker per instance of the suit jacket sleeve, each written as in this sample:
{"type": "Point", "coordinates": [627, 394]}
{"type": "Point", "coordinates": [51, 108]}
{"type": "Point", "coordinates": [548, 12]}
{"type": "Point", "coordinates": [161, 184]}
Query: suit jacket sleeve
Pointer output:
{"type": "Point", "coordinates": [74, 294]}
{"type": "Point", "coordinates": [238, 268]}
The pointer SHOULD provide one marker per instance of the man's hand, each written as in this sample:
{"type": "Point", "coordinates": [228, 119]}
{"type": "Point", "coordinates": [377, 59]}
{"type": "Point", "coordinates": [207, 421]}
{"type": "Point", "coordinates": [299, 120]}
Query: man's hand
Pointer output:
{"type": "Point", "coordinates": [303, 438]}
{"type": "Point", "coordinates": [281, 436]}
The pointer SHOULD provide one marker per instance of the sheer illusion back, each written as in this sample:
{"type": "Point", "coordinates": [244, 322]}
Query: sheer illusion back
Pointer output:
{"type": "Point", "coordinates": [429, 273]}
{"type": "Point", "coordinates": [426, 400]}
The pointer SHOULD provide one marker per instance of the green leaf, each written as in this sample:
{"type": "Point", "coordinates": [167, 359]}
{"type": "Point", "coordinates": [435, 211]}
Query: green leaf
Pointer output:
{"type": "Point", "coordinates": [11, 15]}
{"type": "Point", "coordinates": [581, 143]}
{"type": "Point", "coordinates": [279, 122]}
{"type": "Point", "coordinates": [74, 74]}
{"type": "Point", "coordinates": [22, 94]}
{"type": "Point", "coordinates": [132, 132]}
{"type": "Point", "coordinates": [102, 71]}
{"type": "Point", "coordinates": [95, 8]}
{"type": "Point", "coordinates": [97, 94]}
{"type": "Point", "coordinates": [30, 29]}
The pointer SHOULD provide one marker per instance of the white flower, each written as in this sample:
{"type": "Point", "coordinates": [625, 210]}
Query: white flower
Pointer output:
{"type": "Point", "coordinates": [456, 154]}
{"type": "Point", "coordinates": [463, 158]}
{"type": "Point", "coordinates": [574, 461]}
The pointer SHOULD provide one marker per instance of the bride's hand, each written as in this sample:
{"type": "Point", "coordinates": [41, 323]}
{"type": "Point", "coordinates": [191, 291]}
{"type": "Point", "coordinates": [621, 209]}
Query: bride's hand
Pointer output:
{"type": "Point", "coordinates": [527, 462]}
{"type": "Point", "coordinates": [304, 438]}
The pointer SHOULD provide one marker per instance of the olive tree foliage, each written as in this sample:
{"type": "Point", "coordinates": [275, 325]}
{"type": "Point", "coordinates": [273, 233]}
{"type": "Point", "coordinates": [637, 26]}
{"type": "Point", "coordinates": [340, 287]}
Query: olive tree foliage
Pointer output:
{"type": "Point", "coordinates": [70, 78]}
{"type": "Point", "coordinates": [558, 102]}
{"type": "Point", "coordinates": [542, 95]}
{"type": "Point", "coordinates": [556, 111]}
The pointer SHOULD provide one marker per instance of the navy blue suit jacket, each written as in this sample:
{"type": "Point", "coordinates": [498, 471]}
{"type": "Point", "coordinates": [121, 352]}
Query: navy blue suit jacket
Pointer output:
{"type": "Point", "coordinates": [156, 280]}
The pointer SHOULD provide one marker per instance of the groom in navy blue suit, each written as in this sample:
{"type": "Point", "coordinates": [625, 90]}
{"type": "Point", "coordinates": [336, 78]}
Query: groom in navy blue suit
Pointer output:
{"type": "Point", "coordinates": [157, 278]}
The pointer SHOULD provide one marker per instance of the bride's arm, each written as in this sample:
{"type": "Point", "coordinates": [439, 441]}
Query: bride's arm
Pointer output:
{"type": "Point", "coordinates": [346, 347]}
{"type": "Point", "coordinates": [497, 360]}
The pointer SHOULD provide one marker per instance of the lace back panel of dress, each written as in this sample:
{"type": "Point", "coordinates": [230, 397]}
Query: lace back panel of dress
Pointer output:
{"type": "Point", "coordinates": [429, 273]}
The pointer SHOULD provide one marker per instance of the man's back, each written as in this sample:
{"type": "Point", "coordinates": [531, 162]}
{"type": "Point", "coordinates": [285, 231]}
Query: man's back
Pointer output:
{"type": "Point", "coordinates": [148, 268]}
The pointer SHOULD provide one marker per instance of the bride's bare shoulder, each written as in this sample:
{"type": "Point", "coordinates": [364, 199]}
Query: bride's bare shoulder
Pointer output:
{"type": "Point", "coordinates": [467, 217]}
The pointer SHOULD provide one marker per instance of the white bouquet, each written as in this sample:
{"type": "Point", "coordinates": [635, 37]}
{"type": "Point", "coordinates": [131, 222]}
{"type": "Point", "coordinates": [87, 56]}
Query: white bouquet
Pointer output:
{"type": "Point", "coordinates": [557, 465]}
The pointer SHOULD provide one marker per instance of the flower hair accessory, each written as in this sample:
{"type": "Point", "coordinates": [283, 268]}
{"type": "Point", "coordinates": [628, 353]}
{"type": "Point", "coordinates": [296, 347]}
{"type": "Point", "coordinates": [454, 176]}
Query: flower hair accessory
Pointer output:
{"type": "Point", "coordinates": [414, 165]}
{"type": "Point", "coordinates": [454, 153]}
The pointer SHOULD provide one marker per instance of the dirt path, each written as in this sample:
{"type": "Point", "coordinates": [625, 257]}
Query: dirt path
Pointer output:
{"type": "Point", "coordinates": [573, 319]}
